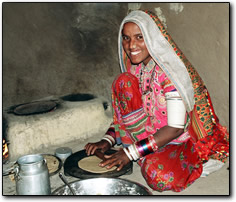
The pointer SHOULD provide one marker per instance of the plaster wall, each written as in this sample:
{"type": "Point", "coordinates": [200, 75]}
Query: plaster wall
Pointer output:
{"type": "Point", "coordinates": [64, 48]}
{"type": "Point", "coordinates": [58, 49]}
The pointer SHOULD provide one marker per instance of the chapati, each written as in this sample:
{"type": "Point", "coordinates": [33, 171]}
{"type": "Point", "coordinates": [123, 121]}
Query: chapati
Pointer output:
{"type": "Point", "coordinates": [90, 164]}
{"type": "Point", "coordinates": [52, 163]}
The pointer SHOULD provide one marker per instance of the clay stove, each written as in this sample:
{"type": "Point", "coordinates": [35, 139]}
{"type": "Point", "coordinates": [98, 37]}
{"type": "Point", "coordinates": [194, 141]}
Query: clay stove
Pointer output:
{"type": "Point", "coordinates": [75, 118]}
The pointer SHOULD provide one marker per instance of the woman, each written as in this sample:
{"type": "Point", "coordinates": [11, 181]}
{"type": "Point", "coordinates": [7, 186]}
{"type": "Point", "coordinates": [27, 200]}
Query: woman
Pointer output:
{"type": "Point", "coordinates": [170, 155]}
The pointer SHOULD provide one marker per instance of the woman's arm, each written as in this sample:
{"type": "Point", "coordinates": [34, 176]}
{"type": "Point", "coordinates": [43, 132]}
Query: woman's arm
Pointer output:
{"type": "Point", "coordinates": [166, 134]}
{"type": "Point", "coordinates": [162, 137]}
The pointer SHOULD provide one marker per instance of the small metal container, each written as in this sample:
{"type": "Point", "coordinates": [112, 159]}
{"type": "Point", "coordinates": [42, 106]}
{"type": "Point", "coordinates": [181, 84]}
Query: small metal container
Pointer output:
{"type": "Point", "coordinates": [63, 152]}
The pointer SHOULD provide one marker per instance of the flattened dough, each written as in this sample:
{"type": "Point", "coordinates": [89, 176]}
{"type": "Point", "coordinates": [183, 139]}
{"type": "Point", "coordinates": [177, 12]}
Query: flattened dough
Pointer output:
{"type": "Point", "coordinates": [52, 163]}
{"type": "Point", "coordinates": [90, 164]}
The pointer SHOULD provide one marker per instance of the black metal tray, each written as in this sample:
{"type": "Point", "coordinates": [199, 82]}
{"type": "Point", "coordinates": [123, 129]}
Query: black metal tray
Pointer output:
{"type": "Point", "coordinates": [71, 167]}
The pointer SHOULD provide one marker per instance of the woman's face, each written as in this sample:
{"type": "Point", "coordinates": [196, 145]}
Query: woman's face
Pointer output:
{"type": "Point", "coordinates": [133, 44]}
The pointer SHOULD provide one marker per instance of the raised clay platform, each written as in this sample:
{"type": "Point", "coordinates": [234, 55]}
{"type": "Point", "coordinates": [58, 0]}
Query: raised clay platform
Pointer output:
{"type": "Point", "coordinates": [72, 120]}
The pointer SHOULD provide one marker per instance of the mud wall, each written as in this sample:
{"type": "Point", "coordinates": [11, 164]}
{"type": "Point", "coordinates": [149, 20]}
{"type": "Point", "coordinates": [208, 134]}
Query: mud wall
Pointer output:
{"type": "Point", "coordinates": [58, 49]}
{"type": "Point", "coordinates": [64, 48]}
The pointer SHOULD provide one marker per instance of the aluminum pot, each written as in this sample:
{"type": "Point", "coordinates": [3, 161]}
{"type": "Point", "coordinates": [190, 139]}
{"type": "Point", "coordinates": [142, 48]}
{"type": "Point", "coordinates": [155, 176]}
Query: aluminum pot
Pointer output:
{"type": "Point", "coordinates": [31, 176]}
{"type": "Point", "coordinates": [103, 186]}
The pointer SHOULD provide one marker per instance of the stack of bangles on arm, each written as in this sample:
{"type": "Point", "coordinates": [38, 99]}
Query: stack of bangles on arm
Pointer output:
{"type": "Point", "coordinates": [141, 148]}
{"type": "Point", "coordinates": [109, 139]}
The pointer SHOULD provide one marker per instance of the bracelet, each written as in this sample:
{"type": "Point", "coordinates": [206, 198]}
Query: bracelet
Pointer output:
{"type": "Point", "coordinates": [146, 146]}
{"type": "Point", "coordinates": [153, 143]}
{"type": "Point", "coordinates": [110, 138]}
{"type": "Point", "coordinates": [104, 138]}
{"type": "Point", "coordinates": [128, 154]}
{"type": "Point", "coordinates": [133, 152]}
{"type": "Point", "coordinates": [136, 151]}
{"type": "Point", "coordinates": [141, 148]}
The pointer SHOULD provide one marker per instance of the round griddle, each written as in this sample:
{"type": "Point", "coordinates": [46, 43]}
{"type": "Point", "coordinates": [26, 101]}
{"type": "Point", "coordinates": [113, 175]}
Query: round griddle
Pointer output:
{"type": "Point", "coordinates": [71, 167]}
{"type": "Point", "coordinates": [37, 107]}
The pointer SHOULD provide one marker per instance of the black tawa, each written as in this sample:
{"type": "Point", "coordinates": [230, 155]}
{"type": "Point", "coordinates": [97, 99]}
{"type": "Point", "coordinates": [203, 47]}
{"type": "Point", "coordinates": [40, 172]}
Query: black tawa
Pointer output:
{"type": "Point", "coordinates": [71, 167]}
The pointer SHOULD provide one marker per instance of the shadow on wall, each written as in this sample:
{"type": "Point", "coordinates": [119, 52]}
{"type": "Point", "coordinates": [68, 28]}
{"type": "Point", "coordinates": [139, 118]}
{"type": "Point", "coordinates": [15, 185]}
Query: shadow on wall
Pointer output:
{"type": "Point", "coordinates": [59, 48]}
{"type": "Point", "coordinates": [91, 27]}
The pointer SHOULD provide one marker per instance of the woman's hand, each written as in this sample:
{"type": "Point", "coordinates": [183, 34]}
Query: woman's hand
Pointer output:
{"type": "Point", "coordinates": [119, 159]}
{"type": "Point", "coordinates": [92, 147]}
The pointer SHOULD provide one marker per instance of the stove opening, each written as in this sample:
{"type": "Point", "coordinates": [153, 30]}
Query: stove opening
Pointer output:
{"type": "Point", "coordinates": [5, 151]}
{"type": "Point", "coordinates": [5, 143]}
{"type": "Point", "coordinates": [78, 97]}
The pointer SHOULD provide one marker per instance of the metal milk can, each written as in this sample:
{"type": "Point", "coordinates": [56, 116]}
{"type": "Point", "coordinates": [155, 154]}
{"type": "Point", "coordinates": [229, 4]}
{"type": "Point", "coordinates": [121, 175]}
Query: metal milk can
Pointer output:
{"type": "Point", "coordinates": [32, 176]}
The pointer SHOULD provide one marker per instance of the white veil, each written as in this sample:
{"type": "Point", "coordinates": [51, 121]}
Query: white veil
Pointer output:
{"type": "Point", "coordinates": [163, 54]}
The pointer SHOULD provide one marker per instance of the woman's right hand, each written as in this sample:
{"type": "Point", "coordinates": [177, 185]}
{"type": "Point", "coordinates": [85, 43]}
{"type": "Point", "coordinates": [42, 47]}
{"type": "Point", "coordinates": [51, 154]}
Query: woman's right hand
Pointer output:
{"type": "Point", "coordinates": [92, 147]}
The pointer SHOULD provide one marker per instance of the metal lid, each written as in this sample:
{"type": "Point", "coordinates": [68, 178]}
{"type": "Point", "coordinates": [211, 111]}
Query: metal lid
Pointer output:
{"type": "Point", "coordinates": [63, 152]}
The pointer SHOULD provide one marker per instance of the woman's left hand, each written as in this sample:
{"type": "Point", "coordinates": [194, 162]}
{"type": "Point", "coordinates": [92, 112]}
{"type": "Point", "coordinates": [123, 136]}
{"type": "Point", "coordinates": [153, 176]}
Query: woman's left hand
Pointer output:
{"type": "Point", "coordinates": [119, 159]}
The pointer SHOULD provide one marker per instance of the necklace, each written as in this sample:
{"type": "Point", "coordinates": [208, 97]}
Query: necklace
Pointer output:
{"type": "Point", "coordinates": [148, 89]}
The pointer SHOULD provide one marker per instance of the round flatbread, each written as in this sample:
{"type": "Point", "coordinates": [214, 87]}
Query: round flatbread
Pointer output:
{"type": "Point", "coordinates": [90, 164]}
{"type": "Point", "coordinates": [52, 163]}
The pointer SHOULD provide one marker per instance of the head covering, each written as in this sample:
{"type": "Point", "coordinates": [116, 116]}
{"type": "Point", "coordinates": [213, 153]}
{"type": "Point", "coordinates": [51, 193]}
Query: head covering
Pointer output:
{"type": "Point", "coordinates": [166, 55]}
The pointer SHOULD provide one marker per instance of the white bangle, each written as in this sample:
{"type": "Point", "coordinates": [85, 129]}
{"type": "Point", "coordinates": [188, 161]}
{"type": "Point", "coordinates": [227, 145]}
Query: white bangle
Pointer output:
{"type": "Point", "coordinates": [110, 138]}
{"type": "Point", "coordinates": [133, 152]}
{"type": "Point", "coordinates": [136, 150]}
{"type": "Point", "coordinates": [104, 138]}
{"type": "Point", "coordinates": [127, 153]}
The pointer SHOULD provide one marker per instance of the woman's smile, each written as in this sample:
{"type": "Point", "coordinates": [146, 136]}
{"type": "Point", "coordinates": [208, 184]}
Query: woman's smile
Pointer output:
{"type": "Point", "coordinates": [134, 45]}
{"type": "Point", "coordinates": [135, 52]}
